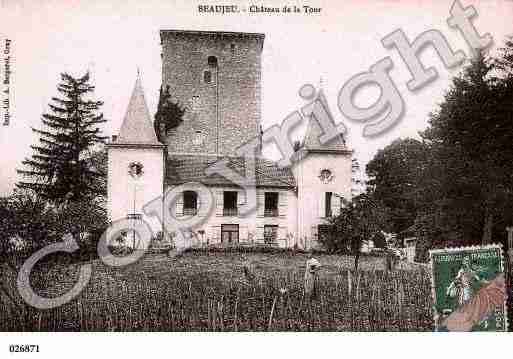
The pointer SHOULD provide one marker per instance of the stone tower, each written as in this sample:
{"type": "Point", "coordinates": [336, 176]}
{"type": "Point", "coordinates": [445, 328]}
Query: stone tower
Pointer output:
{"type": "Point", "coordinates": [216, 76]}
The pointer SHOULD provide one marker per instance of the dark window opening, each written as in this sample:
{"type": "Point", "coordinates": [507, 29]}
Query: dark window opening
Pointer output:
{"type": "Point", "coordinates": [327, 204]}
{"type": "Point", "coordinates": [212, 61]}
{"type": "Point", "coordinates": [190, 203]}
{"type": "Point", "coordinates": [207, 77]}
{"type": "Point", "coordinates": [229, 233]}
{"type": "Point", "coordinates": [271, 204]}
{"type": "Point", "coordinates": [230, 203]}
{"type": "Point", "coordinates": [232, 48]}
{"type": "Point", "coordinates": [270, 234]}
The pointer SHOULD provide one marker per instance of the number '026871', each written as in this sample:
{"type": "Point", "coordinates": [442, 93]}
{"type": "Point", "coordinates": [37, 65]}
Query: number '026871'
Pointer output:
{"type": "Point", "coordinates": [24, 348]}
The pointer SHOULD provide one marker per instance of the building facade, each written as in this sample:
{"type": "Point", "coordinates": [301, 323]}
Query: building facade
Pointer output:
{"type": "Point", "coordinates": [216, 76]}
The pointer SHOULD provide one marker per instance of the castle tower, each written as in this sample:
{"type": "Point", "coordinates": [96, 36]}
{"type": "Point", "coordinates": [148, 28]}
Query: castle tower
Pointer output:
{"type": "Point", "coordinates": [135, 162]}
{"type": "Point", "coordinates": [216, 76]}
{"type": "Point", "coordinates": [323, 176]}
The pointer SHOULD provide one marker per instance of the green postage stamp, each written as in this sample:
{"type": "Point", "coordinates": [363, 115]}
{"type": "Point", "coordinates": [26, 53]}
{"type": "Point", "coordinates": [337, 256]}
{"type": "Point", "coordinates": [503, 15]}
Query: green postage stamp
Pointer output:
{"type": "Point", "coordinates": [468, 288]}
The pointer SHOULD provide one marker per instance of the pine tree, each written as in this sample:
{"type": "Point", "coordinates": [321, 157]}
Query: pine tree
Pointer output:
{"type": "Point", "coordinates": [59, 168]}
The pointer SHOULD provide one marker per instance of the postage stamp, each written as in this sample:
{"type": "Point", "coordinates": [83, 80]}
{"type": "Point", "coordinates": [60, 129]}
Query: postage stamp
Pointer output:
{"type": "Point", "coordinates": [468, 288]}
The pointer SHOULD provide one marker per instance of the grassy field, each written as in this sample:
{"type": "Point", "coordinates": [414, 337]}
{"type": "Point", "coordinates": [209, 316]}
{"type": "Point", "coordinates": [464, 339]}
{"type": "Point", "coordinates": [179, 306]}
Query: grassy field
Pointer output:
{"type": "Point", "coordinates": [208, 292]}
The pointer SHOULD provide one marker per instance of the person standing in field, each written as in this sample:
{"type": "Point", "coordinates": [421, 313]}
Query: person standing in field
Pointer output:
{"type": "Point", "coordinates": [311, 277]}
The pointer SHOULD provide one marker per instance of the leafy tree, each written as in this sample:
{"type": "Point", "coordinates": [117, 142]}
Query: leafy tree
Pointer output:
{"type": "Point", "coordinates": [27, 219]}
{"type": "Point", "coordinates": [380, 240]}
{"type": "Point", "coordinates": [37, 223]}
{"type": "Point", "coordinates": [504, 61]}
{"type": "Point", "coordinates": [357, 182]}
{"type": "Point", "coordinates": [470, 135]}
{"type": "Point", "coordinates": [394, 175]}
{"type": "Point", "coordinates": [59, 167]}
{"type": "Point", "coordinates": [169, 114]}
{"type": "Point", "coordinates": [359, 220]}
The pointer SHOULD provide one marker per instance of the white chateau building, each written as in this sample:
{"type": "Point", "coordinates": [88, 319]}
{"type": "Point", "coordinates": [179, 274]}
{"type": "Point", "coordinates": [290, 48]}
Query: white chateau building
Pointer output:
{"type": "Point", "coordinates": [216, 76]}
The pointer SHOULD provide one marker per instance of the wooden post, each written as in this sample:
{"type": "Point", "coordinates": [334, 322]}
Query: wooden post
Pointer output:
{"type": "Point", "coordinates": [510, 237]}
{"type": "Point", "coordinates": [510, 244]}
{"type": "Point", "coordinates": [389, 261]}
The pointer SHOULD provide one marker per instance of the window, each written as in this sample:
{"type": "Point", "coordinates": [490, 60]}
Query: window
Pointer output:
{"type": "Point", "coordinates": [327, 204]}
{"type": "Point", "coordinates": [232, 48]}
{"type": "Point", "coordinates": [271, 204]}
{"type": "Point", "coordinates": [212, 61]}
{"type": "Point", "coordinates": [270, 234]}
{"type": "Point", "coordinates": [323, 231]}
{"type": "Point", "coordinates": [230, 203]}
{"type": "Point", "coordinates": [190, 203]}
{"type": "Point", "coordinates": [199, 138]}
{"type": "Point", "coordinates": [326, 176]}
{"type": "Point", "coordinates": [229, 233]}
{"type": "Point", "coordinates": [207, 77]}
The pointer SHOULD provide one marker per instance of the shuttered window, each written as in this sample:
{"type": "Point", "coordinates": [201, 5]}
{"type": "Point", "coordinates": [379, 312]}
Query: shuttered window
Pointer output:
{"type": "Point", "coordinates": [327, 204]}
{"type": "Point", "coordinates": [190, 203]}
{"type": "Point", "coordinates": [230, 203]}
{"type": "Point", "coordinates": [271, 204]}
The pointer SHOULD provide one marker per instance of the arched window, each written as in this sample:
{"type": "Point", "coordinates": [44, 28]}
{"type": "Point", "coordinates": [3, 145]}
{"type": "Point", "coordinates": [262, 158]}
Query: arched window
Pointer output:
{"type": "Point", "coordinates": [212, 61]}
{"type": "Point", "coordinates": [190, 203]}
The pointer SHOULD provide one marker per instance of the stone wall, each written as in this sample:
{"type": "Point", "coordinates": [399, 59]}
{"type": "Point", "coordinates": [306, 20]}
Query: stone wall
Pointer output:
{"type": "Point", "coordinates": [230, 102]}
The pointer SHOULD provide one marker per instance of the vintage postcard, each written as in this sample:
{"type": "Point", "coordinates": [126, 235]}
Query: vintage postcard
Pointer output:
{"type": "Point", "coordinates": [469, 289]}
{"type": "Point", "coordinates": [254, 166]}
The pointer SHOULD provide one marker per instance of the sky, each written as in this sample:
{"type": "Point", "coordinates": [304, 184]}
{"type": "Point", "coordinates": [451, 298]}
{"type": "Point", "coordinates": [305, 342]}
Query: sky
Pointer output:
{"type": "Point", "coordinates": [112, 39]}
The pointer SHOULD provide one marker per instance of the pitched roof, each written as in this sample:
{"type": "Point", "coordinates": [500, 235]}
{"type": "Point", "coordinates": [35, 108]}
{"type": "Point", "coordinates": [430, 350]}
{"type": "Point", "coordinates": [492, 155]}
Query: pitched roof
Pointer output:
{"type": "Point", "coordinates": [137, 127]}
{"type": "Point", "coordinates": [314, 131]}
{"type": "Point", "coordinates": [190, 168]}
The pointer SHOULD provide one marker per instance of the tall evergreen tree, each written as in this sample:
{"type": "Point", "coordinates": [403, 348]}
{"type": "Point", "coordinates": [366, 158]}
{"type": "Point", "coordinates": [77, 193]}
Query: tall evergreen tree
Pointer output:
{"type": "Point", "coordinates": [60, 167]}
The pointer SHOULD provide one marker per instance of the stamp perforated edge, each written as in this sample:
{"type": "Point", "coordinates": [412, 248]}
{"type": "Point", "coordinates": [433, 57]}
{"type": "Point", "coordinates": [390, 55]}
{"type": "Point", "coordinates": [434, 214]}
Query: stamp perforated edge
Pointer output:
{"type": "Point", "coordinates": [467, 248]}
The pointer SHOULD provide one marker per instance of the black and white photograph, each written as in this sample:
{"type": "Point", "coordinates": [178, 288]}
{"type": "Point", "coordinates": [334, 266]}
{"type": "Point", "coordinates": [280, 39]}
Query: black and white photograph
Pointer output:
{"type": "Point", "coordinates": [293, 177]}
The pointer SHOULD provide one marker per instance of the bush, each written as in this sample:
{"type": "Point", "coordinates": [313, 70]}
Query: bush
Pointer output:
{"type": "Point", "coordinates": [251, 249]}
{"type": "Point", "coordinates": [38, 223]}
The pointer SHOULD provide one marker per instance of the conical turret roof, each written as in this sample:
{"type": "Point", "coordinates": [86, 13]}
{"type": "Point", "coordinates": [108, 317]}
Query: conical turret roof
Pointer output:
{"type": "Point", "coordinates": [137, 126]}
{"type": "Point", "coordinates": [314, 131]}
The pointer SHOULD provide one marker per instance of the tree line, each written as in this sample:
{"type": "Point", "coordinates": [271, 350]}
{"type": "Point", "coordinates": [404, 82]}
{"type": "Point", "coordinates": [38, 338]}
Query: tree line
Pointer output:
{"type": "Point", "coordinates": [453, 185]}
